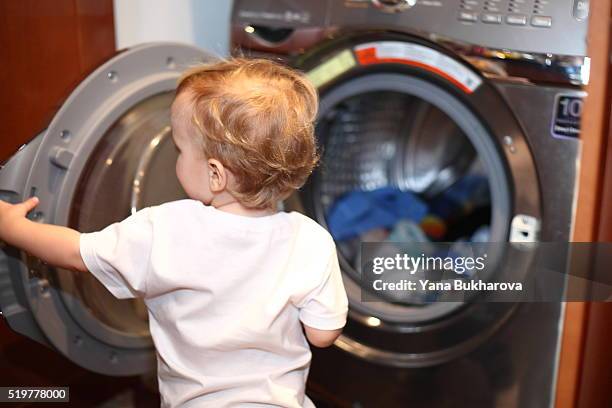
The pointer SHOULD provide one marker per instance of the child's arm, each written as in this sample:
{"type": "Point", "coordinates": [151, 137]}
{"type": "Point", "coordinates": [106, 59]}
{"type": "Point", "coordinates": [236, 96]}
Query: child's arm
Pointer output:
{"type": "Point", "coordinates": [53, 244]}
{"type": "Point", "coordinates": [324, 309]}
{"type": "Point", "coordinates": [321, 338]}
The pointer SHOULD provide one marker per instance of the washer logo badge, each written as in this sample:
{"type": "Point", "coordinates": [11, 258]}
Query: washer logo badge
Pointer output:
{"type": "Point", "coordinates": [419, 56]}
{"type": "Point", "coordinates": [566, 120]}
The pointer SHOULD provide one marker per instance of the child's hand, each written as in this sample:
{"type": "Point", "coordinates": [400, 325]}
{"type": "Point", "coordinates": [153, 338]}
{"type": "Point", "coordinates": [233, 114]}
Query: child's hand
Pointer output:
{"type": "Point", "coordinates": [53, 244]}
{"type": "Point", "coordinates": [11, 212]}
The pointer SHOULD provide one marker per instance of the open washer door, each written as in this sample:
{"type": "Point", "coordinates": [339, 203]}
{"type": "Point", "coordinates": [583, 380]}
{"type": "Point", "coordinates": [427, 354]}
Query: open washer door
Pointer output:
{"type": "Point", "coordinates": [107, 153]}
{"type": "Point", "coordinates": [398, 113]}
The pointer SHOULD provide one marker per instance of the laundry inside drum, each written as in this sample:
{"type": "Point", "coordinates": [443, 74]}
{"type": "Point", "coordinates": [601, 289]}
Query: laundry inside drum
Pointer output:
{"type": "Point", "coordinates": [132, 167]}
{"type": "Point", "coordinates": [396, 168]}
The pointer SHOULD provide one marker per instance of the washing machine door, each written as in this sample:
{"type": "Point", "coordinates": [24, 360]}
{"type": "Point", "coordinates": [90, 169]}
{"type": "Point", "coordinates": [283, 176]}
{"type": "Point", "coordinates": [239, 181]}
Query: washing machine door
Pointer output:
{"type": "Point", "coordinates": [107, 153]}
{"type": "Point", "coordinates": [401, 115]}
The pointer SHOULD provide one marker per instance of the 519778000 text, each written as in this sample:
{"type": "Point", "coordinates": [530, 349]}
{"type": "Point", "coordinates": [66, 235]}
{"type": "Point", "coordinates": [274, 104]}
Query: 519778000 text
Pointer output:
{"type": "Point", "coordinates": [34, 394]}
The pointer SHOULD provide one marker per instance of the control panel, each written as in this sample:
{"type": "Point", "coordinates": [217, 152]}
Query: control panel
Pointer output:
{"type": "Point", "coordinates": [536, 13]}
{"type": "Point", "coordinates": [534, 26]}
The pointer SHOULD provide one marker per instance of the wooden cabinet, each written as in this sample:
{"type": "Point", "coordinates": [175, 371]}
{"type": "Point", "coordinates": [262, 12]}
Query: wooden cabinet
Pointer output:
{"type": "Point", "coordinates": [586, 357]}
{"type": "Point", "coordinates": [46, 48]}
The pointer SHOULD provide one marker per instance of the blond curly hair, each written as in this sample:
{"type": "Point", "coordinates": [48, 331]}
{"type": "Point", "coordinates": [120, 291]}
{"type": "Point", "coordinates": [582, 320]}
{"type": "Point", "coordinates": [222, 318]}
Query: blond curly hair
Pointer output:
{"type": "Point", "coordinates": [257, 118]}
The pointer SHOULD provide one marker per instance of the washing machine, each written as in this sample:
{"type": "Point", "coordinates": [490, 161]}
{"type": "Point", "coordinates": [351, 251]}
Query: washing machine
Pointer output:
{"type": "Point", "coordinates": [434, 98]}
{"type": "Point", "coordinates": [106, 153]}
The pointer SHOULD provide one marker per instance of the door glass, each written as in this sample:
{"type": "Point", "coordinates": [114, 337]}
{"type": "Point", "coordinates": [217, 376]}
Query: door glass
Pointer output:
{"type": "Point", "coordinates": [396, 168]}
{"type": "Point", "coordinates": [132, 167]}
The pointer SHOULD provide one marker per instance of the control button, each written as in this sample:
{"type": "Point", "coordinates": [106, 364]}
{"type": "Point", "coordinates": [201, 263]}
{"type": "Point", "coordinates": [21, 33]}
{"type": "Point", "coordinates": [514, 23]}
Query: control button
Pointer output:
{"type": "Point", "coordinates": [541, 21]}
{"type": "Point", "coordinates": [468, 16]}
{"type": "Point", "coordinates": [516, 19]}
{"type": "Point", "coordinates": [491, 18]}
{"type": "Point", "coordinates": [581, 9]}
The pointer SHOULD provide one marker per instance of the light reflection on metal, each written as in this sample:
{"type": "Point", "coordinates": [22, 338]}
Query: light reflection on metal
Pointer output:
{"type": "Point", "coordinates": [521, 66]}
{"type": "Point", "coordinates": [143, 165]}
{"type": "Point", "coordinates": [585, 70]}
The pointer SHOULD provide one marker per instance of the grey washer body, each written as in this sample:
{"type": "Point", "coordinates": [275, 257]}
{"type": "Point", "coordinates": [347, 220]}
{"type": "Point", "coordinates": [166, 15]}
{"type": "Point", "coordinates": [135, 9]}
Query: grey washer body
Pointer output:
{"type": "Point", "coordinates": [516, 364]}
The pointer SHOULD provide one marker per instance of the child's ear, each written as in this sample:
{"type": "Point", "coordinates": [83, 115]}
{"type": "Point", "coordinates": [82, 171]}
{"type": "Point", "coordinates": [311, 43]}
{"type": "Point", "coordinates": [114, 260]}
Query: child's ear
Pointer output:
{"type": "Point", "coordinates": [217, 176]}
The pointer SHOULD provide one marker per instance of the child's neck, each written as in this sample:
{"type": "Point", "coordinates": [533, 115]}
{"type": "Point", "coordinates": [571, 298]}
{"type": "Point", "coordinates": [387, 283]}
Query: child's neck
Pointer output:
{"type": "Point", "coordinates": [234, 207]}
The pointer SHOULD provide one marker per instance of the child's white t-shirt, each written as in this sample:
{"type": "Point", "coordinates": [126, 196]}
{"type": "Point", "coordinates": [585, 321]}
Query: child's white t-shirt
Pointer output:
{"type": "Point", "coordinates": [225, 295]}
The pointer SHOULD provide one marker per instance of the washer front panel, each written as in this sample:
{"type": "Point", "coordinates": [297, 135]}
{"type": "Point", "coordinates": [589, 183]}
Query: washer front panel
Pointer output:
{"type": "Point", "coordinates": [546, 27]}
{"type": "Point", "coordinates": [340, 72]}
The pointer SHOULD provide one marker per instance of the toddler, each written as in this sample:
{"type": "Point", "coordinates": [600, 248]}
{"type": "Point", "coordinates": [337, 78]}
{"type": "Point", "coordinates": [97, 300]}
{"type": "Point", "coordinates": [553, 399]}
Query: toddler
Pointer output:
{"type": "Point", "coordinates": [233, 288]}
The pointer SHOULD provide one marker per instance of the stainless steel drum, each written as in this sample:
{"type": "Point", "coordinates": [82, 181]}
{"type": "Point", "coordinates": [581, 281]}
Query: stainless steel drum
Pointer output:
{"type": "Point", "coordinates": [381, 139]}
{"type": "Point", "coordinates": [391, 139]}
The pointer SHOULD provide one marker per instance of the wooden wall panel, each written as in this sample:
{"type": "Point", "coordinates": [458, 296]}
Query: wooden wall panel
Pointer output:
{"type": "Point", "coordinates": [594, 390]}
{"type": "Point", "coordinates": [46, 48]}
{"type": "Point", "coordinates": [584, 319]}
{"type": "Point", "coordinates": [596, 374]}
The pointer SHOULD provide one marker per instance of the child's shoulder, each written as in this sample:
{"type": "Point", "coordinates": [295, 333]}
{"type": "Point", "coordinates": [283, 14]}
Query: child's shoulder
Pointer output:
{"type": "Point", "coordinates": [314, 232]}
